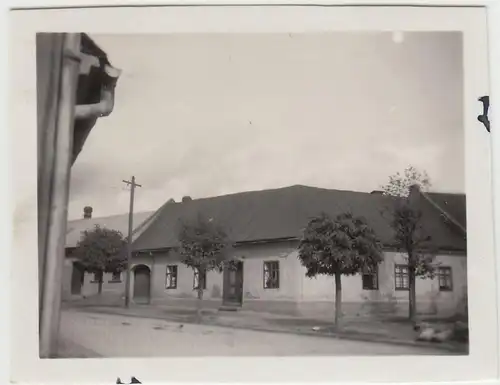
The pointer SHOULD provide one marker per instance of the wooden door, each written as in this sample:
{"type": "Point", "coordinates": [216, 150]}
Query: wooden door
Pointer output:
{"type": "Point", "coordinates": [142, 278]}
{"type": "Point", "coordinates": [233, 286]}
{"type": "Point", "coordinates": [77, 276]}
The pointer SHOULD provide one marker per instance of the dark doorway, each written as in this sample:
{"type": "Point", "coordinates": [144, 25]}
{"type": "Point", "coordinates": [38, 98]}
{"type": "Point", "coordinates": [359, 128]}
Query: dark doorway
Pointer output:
{"type": "Point", "coordinates": [233, 286]}
{"type": "Point", "coordinates": [77, 276]}
{"type": "Point", "coordinates": [142, 284]}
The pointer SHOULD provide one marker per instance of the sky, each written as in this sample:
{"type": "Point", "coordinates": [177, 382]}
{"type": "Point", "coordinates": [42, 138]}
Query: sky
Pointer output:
{"type": "Point", "coordinates": [212, 114]}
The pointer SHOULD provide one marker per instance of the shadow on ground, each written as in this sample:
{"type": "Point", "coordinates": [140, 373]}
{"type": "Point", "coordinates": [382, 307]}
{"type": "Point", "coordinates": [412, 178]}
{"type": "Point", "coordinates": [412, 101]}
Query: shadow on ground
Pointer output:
{"type": "Point", "coordinates": [395, 331]}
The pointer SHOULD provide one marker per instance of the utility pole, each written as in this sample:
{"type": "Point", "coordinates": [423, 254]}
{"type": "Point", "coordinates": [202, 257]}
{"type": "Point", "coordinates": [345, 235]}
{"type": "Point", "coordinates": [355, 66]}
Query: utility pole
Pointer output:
{"type": "Point", "coordinates": [133, 185]}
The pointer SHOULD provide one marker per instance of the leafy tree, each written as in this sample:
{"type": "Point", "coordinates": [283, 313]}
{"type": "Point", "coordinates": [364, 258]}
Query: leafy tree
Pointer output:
{"type": "Point", "coordinates": [204, 247]}
{"type": "Point", "coordinates": [346, 245]}
{"type": "Point", "coordinates": [102, 250]}
{"type": "Point", "coordinates": [406, 220]}
{"type": "Point", "coordinates": [400, 184]}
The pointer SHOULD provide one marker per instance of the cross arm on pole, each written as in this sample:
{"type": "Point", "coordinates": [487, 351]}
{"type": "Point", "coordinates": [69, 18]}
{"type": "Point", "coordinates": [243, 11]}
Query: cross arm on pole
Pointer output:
{"type": "Point", "coordinates": [132, 183]}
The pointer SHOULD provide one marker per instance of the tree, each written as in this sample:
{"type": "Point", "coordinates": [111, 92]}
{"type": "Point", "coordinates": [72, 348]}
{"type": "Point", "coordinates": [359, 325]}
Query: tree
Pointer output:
{"type": "Point", "coordinates": [406, 220]}
{"type": "Point", "coordinates": [102, 250]}
{"type": "Point", "coordinates": [345, 245]}
{"type": "Point", "coordinates": [400, 184]}
{"type": "Point", "coordinates": [204, 247]}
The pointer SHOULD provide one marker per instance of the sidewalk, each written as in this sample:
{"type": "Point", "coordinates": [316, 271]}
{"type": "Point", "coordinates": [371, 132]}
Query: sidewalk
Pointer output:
{"type": "Point", "coordinates": [353, 329]}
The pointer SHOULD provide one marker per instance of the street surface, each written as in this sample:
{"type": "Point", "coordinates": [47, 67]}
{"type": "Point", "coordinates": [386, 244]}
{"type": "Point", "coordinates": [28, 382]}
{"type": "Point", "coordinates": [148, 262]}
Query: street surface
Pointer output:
{"type": "Point", "coordinates": [119, 336]}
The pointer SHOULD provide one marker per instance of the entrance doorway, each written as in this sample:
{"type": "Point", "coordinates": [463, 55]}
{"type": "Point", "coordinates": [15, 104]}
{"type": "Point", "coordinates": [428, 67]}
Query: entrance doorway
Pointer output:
{"type": "Point", "coordinates": [233, 286]}
{"type": "Point", "coordinates": [142, 284]}
{"type": "Point", "coordinates": [77, 277]}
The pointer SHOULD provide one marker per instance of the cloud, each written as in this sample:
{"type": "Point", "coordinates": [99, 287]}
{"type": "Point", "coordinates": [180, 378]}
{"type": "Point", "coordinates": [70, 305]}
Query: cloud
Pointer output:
{"type": "Point", "coordinates": [337, 110]}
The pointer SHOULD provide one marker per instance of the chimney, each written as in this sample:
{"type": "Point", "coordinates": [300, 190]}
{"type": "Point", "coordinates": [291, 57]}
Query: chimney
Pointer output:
{"type": "Point", "coordinates": [186, 199]}
{"type": "Point", "coordinates": [87, 212]}
{"type": "Point", "coordinates": [414, 194]}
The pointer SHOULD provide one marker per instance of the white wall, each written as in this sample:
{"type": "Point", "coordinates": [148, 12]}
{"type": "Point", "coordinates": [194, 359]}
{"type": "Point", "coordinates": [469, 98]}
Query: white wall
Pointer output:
{"type": "Point", "coordinates": [185, 277]}
{"type": "Point", "coordinates": [294, 285]}
{"type": "Point", "coordinates": [429, 298]}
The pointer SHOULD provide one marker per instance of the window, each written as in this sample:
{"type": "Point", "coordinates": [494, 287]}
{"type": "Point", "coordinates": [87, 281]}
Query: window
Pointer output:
{"type": "Point", "coordinates": [445, 278]}
{"type": "Point", "coordinates": [97, 276]}
{"type": "Point", "coordinates": [402, 277]}
{"type": "Point", "coordinates": [370, 280]}
{"type": "Point", "coordinates": [271, 275]}
{"type": "Point", "coordinates": [196, 279]}
{"type": "Point", "coordinates": [171, 278]}
{"type": "Point", "coordinates": [116, 277]}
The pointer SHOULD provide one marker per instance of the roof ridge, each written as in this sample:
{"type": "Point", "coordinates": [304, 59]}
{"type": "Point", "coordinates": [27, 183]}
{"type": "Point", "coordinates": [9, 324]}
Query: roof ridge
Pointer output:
{"type": "Point", "coordinates": [266, 190]}
{"type": "Point", "coordinates": [111, 216]}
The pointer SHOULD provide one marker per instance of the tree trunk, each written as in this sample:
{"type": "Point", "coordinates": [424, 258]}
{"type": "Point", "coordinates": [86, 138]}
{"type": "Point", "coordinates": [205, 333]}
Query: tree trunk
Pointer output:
{"type": "Point", "coordinates": [412, 311]}
{"type": "Point", "coordinates": [199, 308]}
{"type": "Point", "coordinates": [99, 282]}
{"type": "Point", "coordinates": [338, 300]}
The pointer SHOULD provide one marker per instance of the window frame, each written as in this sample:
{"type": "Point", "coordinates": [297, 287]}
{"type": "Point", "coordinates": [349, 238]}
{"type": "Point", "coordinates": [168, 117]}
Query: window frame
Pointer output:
{"type": "Point", "coordinates": [196, 276]}
{"type": "Point", "coordinates": [173, 273]}
{"type": "Point", "coordinates": [269, 264]}
{"type": "Point", "coordinates": [405, 271]}
{"type": "Point", "coordinates": [113, 280]}
{"type": "Point", "coordinates": [374, 280]}
{"type": "Point", "coordinates": [440, 275]}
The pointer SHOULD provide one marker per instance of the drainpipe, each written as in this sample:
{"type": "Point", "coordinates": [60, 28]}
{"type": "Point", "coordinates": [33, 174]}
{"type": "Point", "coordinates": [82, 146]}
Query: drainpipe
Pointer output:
{"type": "Point", "coordinates": [151, 278]}
{"type": "Point", "coordinates": [52, 273]}
{"type": "Point", "coordinates": [107, 103]}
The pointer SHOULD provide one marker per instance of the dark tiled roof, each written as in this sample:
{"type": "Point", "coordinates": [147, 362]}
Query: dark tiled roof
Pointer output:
{"type": "Point", "coordinates": [453, 204]}
{"type": "Point", "coordinates": [283, 213]}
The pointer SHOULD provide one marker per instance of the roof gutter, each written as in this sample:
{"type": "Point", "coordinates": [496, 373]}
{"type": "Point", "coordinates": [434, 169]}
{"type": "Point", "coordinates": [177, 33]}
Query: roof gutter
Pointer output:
{"type": "Point", "coordinates": [236, 244]}
{"type": "Point", "coordinates": [386, 246]}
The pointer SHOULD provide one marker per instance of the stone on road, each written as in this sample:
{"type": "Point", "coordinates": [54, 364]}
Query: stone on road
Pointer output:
{"type": "Point", "coordinates": [120, 336]}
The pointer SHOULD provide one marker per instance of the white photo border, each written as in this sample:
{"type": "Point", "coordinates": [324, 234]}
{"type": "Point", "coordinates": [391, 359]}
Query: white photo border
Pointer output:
{"type": "Point", "coordinates": [480, 364]}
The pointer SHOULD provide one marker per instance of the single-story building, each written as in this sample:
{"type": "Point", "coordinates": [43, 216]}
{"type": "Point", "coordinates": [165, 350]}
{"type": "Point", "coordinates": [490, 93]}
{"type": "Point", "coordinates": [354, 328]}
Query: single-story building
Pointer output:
{"type": "Point", "coordinates": [76, 283]}
{"type": "Point", "coordinates": [265, 228]}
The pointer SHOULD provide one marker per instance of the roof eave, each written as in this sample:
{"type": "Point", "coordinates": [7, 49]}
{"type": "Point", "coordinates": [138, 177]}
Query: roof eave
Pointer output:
{"type": "Point", "coordinates": [386, 246]}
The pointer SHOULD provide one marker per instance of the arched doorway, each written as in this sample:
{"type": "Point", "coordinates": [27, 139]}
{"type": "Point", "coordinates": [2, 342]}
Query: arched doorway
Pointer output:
{"type": "Point", "coordinates": [142, 284]}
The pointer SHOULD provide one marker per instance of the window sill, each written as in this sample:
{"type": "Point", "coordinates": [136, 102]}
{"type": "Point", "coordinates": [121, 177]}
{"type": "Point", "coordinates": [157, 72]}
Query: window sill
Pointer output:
{"type": "Point", "coordinates": [271, 288]}
{"type": "Point", "coordinates": [171, 288]}
{"type": "Point", "coordinates": [116, 281]}
{"type": "Point", "coordinates": [374, 289]}
{"type": "Point", "coordinates": [401, 289]}
{"type": "Point", "coordinates": [445, 290]}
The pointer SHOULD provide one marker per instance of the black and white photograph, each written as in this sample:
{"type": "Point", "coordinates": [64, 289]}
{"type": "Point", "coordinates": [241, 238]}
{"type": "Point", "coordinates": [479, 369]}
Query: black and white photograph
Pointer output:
{"type": "Point", "coordinates": [266, 194]}
{"type": "Point", "coordinates": [298, 186]}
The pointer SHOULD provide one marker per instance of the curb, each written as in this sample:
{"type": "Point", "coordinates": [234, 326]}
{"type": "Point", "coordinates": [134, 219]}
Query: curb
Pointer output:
{"type": "Point", "coordinates": [349, 336]}
{"type": "Point", "coordinates": [341, 336]}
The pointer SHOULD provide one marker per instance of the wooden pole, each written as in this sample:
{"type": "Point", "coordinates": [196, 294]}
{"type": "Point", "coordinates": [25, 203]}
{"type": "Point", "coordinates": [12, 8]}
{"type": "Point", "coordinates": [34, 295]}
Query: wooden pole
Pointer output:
{"type": "Point", "coordinates": [133, 185]}
{"type": "Point", "coordinates": [53, 267]}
